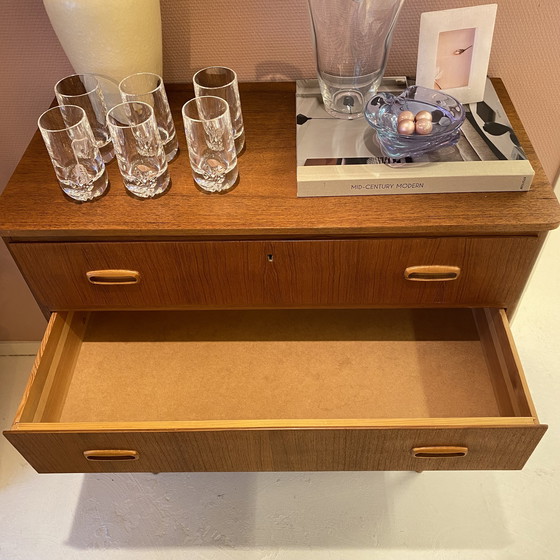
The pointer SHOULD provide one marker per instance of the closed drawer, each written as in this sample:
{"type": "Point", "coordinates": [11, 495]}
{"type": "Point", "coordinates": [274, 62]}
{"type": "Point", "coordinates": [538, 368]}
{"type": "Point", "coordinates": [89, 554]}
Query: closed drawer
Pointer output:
{"type": "Point", "coordinates": [406, 272]}
{"type": "Point", "coordinates": [268, 390]}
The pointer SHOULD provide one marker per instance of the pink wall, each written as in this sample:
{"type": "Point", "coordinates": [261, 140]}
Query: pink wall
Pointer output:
{"type": "Point", "coordinates": [262, 40]}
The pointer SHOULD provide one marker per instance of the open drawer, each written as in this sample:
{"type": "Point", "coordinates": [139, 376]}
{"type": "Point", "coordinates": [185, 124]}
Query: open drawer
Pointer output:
{"type": "Point", "coordinates": [275, 390]}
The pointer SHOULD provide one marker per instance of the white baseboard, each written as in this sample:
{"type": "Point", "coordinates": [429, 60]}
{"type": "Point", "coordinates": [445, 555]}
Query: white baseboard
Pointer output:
{"type": "Point", "coordinates": [9, 348]}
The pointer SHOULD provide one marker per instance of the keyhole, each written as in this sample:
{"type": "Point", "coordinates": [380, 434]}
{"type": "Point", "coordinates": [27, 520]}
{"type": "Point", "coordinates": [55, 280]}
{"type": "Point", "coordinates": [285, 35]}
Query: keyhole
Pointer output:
{"type": "Point", "coordinates": [270, 257]}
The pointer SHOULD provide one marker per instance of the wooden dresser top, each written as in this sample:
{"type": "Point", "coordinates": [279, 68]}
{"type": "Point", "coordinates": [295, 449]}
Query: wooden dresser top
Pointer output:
{"type": "Point", "coordinates": [264, 203]}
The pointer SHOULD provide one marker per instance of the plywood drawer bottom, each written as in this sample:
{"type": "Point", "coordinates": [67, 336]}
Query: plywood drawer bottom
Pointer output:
{"type": "Point", "coordinates": [277, 390]}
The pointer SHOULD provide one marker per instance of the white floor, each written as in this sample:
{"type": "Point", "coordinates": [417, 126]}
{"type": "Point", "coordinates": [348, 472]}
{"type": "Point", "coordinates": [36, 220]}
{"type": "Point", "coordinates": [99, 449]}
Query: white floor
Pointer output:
{"type": "Point", "coordinates": [350, 516]}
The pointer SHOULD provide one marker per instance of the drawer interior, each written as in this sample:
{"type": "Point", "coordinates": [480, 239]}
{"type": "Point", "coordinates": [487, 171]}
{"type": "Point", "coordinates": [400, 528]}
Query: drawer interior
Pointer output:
{"type": "Point", "coordinates": [226, 365]}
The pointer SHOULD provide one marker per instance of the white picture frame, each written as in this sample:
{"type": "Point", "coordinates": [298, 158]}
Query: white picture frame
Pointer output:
{"type": "Point", "coordinates": [454, 50]}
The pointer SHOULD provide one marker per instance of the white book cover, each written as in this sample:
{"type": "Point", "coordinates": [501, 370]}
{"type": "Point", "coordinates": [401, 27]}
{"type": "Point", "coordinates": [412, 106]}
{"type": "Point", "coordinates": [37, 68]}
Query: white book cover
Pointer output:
{"type": "Point", "coordinates": [342, 157]}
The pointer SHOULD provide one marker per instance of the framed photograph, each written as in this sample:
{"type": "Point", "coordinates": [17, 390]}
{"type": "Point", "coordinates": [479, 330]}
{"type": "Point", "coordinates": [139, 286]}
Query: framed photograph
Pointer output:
{"type": "Point", "coordinates": [454, 50]}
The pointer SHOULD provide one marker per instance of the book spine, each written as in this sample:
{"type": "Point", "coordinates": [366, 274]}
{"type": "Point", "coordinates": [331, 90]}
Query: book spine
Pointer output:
{"type": "Point", "coordinates": [368, 187]}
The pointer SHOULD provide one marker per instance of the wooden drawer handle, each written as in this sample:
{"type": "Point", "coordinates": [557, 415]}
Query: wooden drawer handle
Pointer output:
{"type": "Point", "coordinates": [111, 455]}
{"type": "Point", "coordinates": [432, 273]}
{"type": "Point", "coordinates": [439, 451]}
{"type": "Point", "coordinates": [113, 277]}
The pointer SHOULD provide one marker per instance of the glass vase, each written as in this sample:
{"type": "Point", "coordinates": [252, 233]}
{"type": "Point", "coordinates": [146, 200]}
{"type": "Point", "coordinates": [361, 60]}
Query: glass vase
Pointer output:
{"type": "Point", "coordinates": [352, 40]}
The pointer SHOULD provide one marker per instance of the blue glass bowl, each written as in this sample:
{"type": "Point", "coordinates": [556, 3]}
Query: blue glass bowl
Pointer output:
{"type": "Point", "coordinates": [383, 109]}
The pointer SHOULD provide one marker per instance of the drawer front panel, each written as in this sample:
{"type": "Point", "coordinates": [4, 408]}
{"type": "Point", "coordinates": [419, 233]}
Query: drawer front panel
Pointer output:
{"type": "Point", "coordinates": [450, 271]}
{"type": "Point", "coordinates": [277, 450]}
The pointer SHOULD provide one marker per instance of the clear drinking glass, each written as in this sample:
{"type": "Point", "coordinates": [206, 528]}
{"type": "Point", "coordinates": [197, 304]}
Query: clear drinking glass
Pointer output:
{"type": "Point", "coordinates": [221, 82]}
{"type": "Point", "coordinates": [74, 153]}
{"type": "Point", "coordinates": [210, 142]}
{"type": "Point", "coordinates": [148, 88]}
{"type": "Point", "coordinates": [352, 40]}
{"type": "Point", "coordinates": [84, 91]}
{"type": "Point", "coordinates": [139, 149]}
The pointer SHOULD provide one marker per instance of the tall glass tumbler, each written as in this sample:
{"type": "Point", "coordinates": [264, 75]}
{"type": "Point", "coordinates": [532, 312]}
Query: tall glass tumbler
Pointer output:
{"type": "Point", "coordinates": [84, 91]}
{"type": "Point", "coordinates": [76, 159]}
{"type": "Point", "coordinates": [210, 142]}
{"type": "Point", "coordinates": [220, 81]}
{"type": "Point", "coordinates": [148, 88]}
{"type": "Point", "coordinates": [352, 40]}
{"type": "Point", "coordinates": [139, 149]}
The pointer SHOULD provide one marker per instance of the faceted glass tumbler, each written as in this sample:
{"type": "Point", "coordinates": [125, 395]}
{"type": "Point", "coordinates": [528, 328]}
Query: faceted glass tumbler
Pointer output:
{"type": "Point", "coordinates": [352, 40]}
{"type": "Point", "coordinates": [148, 88]}
{"type": "Point", "coordinates": [139, 149]}
{"type": "Point", "coordinates": [219, 81]}
{"type": "Point", "coordinates": [84, 91]}
{"type": "Point", "coordinates": [209, 134]}
{"type": "Point", "coordinates": [76, 159]}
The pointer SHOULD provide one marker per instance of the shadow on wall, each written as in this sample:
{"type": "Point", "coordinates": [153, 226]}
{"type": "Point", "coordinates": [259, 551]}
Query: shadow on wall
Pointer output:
{"type": "Point", "coordinates": [288, 510]}
{"type": "Point", "coordinates": [277, 71]}
{"type": "Point", "coordinates": [241, 35]}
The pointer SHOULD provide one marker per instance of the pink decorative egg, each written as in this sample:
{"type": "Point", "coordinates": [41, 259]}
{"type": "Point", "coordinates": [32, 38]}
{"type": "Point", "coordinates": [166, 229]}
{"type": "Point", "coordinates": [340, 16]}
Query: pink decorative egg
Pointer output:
{"type": "Point", "coordinates": [424, 115]}
{"type": "Point", "coordinates": [423, 126]}
{"type": "Point", "coordinates": [406, 126]}
{"type": "Point", "coordinates": [405, 116]}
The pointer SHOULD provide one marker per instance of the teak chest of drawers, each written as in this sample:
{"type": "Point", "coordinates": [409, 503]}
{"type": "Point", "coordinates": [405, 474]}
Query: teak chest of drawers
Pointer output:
{"type": "Point", "coordinates": [259, 331]}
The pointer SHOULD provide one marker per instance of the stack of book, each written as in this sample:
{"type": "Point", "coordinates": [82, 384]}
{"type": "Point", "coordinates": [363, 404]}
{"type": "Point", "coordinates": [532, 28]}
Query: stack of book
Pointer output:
{"type": "Point", "coordinates": [342, 157]}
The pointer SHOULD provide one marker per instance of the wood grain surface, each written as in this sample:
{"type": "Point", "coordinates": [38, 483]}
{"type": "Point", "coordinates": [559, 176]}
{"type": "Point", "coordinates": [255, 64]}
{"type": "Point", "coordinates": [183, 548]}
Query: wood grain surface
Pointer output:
{"type": "Point", "coordinates": [264, 203]}
{"type": "Point", "coordinates": [350, 272]}
{"type": "Point", "coordinates": [259, 245]}
{"type": "Point", "coordinates": [317, 449]}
